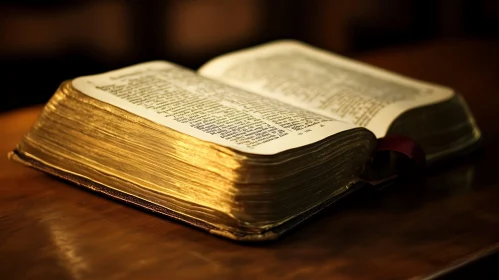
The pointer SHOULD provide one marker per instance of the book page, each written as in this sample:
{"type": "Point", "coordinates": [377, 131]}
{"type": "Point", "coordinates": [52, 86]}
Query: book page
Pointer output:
{"type": "Point", "coordinates": [325, 83]}
{"type": "Point", "coordinates": [212, 111]}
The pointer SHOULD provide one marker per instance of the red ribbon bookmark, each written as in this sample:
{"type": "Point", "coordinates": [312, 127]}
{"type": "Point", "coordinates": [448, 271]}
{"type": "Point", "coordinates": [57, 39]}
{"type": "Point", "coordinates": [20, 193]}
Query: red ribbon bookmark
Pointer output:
{"type": "Point", "coordinates": [395, 157]}
{"type": "Point", "coordinates": [403, 145]}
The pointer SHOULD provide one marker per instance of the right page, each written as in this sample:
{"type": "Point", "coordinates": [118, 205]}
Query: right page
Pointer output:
{"type": "Point", "coordinates": [325, 83]}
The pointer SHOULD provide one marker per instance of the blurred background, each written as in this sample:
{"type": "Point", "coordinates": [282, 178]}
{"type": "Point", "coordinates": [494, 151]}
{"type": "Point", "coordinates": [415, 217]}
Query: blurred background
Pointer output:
{"type": "Point", "coordinates": [43, 43]}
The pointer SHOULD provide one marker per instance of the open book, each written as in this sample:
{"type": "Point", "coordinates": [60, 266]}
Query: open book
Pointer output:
{"type": "Point", "coordinates": [249, 146]}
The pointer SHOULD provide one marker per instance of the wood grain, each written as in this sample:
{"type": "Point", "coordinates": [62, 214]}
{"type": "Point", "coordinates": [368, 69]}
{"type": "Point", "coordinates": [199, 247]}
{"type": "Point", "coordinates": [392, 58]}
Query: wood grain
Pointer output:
{"type": "Point", "coordinates": [50, 229]}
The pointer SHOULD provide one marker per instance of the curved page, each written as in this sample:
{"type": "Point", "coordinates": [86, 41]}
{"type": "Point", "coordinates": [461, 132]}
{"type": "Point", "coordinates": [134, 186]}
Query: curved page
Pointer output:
{"type": "Point", "coordinates": [209, 110]}
{"type": "Point", "coordinates": [325, 83]}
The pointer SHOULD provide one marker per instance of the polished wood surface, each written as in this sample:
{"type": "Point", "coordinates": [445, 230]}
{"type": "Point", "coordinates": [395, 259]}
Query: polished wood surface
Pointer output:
{"type": "Point", "coordinates": [51, 229]}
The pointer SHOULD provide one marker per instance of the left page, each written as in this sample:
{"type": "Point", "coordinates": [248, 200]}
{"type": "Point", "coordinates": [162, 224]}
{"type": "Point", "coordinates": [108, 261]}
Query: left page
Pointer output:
{"type": "Point", "coordinates": [212, 111]}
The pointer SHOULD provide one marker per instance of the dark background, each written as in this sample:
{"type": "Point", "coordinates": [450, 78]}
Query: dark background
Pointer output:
{"type": "Point", "coordinates": [43, 43]}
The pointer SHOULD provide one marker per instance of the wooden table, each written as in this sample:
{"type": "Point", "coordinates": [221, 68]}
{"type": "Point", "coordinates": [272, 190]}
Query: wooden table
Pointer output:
{"type": "Point", "coordinates": [50, 229]}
